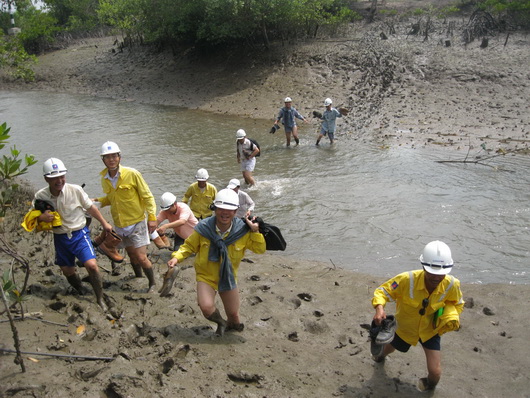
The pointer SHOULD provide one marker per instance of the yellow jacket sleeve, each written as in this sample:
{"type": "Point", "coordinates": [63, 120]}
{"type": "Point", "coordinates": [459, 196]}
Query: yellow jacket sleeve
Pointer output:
{"type": "Point", "coordinates": [31, 223]}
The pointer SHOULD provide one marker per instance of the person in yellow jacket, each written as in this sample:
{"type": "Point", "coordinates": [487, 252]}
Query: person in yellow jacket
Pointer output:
{"type": "Point", "coordinates": [71, 237]}
{"type": "Point", "coordinates": [200, 195]}
{"type": "Point", "coordinates": [428, 304]}
{"type": "Point", "coordinates": [132, 206]}
{"type": "Point", "coordinates": [220, 243]}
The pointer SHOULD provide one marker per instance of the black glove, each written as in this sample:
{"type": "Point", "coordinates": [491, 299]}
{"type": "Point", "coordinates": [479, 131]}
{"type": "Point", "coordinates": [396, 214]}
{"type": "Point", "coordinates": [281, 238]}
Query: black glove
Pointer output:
{"type": "Point", "coordinates": [317, 114]}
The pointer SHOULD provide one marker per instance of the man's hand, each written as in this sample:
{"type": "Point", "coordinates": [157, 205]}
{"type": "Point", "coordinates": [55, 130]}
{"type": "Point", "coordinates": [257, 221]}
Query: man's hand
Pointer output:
{"type": "Point", "coordinates": [107, 227]}
{"type": "Point", "coordinates": [254, 226]}
{"type": "Point", "coordinates": [379, 314]}
{"type": "Point", "coordinates": [47, 216]}
{"type": "Point", "coordinates": [172, 262]}
{"type": "Point", "coordinates": [151, 226]}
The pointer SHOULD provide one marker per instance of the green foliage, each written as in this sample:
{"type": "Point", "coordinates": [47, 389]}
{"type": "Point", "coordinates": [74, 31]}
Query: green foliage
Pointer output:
{"type": "Point", "coordinates": [11, 293]}
{"type": "Point", "coordinates": [74, 14]}
{"type": "Point", "coordinates": [11, 166]}
{"type": "Point", "coordinates": [38, 29]}
{"type": "Point", "coordinates": [516, 10]}
{"type": "Point", "coordinates": [14, 58]}
{"type": "Point", "coordinates": [218, 22]}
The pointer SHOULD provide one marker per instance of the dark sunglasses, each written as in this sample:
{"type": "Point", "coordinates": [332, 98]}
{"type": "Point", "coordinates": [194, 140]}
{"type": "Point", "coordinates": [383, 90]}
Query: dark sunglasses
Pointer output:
{"type": "Point", "coordinates": [424, 304]}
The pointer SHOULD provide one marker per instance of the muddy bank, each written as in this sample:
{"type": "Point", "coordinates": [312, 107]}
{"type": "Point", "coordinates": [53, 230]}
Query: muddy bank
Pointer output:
{"type": "Point", "coordinates": [402, 91]}
{"type": "Point", "coordinates": [303, 335]}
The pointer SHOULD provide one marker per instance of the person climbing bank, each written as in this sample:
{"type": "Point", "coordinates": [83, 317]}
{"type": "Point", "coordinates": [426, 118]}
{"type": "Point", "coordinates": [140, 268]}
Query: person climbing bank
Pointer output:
{"type": "Point", "coordinates": [219, 243]}
{"type": "Point", "coordinates": [428, 304]}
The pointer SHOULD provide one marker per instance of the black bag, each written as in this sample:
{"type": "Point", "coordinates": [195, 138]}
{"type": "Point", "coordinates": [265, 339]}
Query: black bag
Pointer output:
{"type": "Point", "coordinates": [43, 205]}
{"type": "Point", "coordinates": [273, 237]}
{"type": "Point", "coordinates": [272, 234]}
{"type": "Point", "coordinates": [256, 144]}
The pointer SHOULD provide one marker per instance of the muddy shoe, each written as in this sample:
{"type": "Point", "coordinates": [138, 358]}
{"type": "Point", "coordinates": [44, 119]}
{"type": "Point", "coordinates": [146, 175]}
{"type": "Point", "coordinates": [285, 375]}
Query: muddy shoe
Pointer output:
{"type": "Point", "coordinates": [425, 385]}
{"type": "Point", "coordinates": [103, 306]}
{"type": "Point", "coordinates": [375, 349]}
{"type": "Point", "coordinates": [388, 330]}
{"type": "Point", "coordinates": [238, 327]}
{"type": "Point", "coordinates": [169, 279]}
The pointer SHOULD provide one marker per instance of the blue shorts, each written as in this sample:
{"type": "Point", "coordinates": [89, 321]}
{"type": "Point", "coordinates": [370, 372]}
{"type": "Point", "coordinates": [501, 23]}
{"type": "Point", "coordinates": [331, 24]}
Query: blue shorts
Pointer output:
{"type": "Point", "coordinates": [331, 134]}
{"type": "Point", "coordinates": [434, 343]}
{"type": "Point", "coordinates": [67, 249]}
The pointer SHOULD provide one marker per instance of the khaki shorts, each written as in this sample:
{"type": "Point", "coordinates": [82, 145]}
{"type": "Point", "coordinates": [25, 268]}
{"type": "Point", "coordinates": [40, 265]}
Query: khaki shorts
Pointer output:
{"type": "Point", "coordinates": [135, 236]}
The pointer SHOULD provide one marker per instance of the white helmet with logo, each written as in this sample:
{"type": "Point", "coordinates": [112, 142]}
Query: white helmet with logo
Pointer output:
{"type": "Point", "coordinates": [53, 167]}
{"type": "Point", "coordinates": [202, 175]}
{"type": "Point", "coordinates": [226, 199]}
{"type": "Point", "coordinates": [240, 134]}
{"type": "Point", "coordinates": [436, 258]}
{"type": "Point", "coordinates": [287, 99]}
{"type": "Point", "coordinates": [109, 147]}
{"type": "Point", "coordinates": [328, 102]}
{"type": "Point", "coordinates": [167, 199]}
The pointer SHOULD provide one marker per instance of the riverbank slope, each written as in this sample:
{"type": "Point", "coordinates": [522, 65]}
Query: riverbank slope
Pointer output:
{"type": "Point", "coordinates": [303, 337]}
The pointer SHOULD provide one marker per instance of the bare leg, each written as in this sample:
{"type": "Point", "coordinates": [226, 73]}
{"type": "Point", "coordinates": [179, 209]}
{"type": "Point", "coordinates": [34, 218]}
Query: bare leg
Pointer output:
{"type": "Point", "coordinates": [138, 255]}
{"type": "Point", "coordinates": [247, 175]}
{"type": "Point", "coordinates": [96, 281]}
{"type": "Point", "coordinates": [288, 138]}
{"type": "Point", "coordinates": [206, 299]}
{"type": "Point", "coordinates": [434, 368]}
{"type": "Point", "coordinates": [231, 302]}
{"type": "Point", "coordinates": [295, 135]}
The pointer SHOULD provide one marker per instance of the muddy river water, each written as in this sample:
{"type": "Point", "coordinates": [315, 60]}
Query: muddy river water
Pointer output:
{"type": "Point", "coordinates": [354, 205]}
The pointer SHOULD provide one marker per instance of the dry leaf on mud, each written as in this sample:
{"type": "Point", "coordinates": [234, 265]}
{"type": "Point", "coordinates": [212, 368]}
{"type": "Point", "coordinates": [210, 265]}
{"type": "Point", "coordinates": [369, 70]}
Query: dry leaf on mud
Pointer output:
{"type": "Point", "coordinates": [80, 329]}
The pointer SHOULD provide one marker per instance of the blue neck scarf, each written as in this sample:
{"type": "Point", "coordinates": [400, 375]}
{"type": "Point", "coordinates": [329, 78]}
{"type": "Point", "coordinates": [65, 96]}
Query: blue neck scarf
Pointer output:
{"type": "Point", "coordinates": [218, 248]}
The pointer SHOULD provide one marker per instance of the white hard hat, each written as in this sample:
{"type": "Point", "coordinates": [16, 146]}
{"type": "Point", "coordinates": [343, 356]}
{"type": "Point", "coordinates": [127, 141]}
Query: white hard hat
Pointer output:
{"type": "Point", "coordinates": [436, 258]}
{"type": "Point", "coordinates": [233, 183]}
{"type": "Point", "coordinates": [109, 147]}
{"type": "Point", "coordinates": [240, 134]}
{"type": "Point", "coordinates": [202, 175]}
{"type": "Point", "coordinates": [53, 167]}
{"type": "Point", "coordinates": [167, 199]}
{"type": "Point", "coordinates": [226, 199]}
{"type": "Point", "coordinates": [328, 102]}
{"type": "Point", "coordinates": [287, 99]}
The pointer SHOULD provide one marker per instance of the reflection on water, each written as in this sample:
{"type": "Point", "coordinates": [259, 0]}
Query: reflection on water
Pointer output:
{"type": "Point", "coordinates": [353, 205]}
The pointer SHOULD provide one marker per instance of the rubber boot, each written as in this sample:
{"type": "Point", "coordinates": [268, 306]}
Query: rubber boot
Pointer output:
{"type": "Point", "coordinates": [108, 247]}
{"type": "Point", "coordinates": [137, 268]}
{"type": "Point", "coordinates": [151, 278]}
{"type": "Point", "coordinates": [169, 279]}
{"type": "Point", "coordinates": [221, 323]}
{"type": "Point", "coordinates": [98, 240]}
{"type": "Point", "coordinates": [161, 241]}
{"type": "Point", "coordinates": [297, 141]}
{"type": "Point", "coordinates": [75, 282]}
{"type": "Point", "coordinates": [97, 285]}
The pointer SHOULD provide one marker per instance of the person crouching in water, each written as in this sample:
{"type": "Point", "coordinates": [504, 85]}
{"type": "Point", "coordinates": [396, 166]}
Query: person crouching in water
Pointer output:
{"type": "Point", "coordinates": [219, 243]}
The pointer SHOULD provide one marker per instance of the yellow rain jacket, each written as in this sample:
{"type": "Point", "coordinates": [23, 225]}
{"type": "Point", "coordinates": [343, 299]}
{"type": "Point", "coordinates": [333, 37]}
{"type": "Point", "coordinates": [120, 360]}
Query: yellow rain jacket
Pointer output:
{"type": "Point", "coordinates": [408, 291]}
{"type": "Point", "coordinates": [200, 200]}
{"type": "Point", "coordinates": [31, 223]}
{"type": "Point", "coordinates": [131, 198]}
{"type": "Point", "coordinates": [208, 271]}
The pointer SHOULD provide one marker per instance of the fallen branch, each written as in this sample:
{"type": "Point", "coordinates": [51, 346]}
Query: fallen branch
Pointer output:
{"type": "Point", "coordinates": [482, 160]}
{"type": "Point", "coordinates": [35, 319]}
{"type": "Point", "coordinates": [46, 354]}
